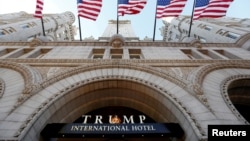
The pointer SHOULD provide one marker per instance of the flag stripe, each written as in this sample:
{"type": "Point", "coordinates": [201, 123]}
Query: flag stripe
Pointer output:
{"type": "Point", "coordinates": [169, 8]}
{"type": "Point", "coordinates": [212, 9]}
{"type": "Point", "coordinates": [89, 9]}
{"type": "Point", "coordinates": [39, 9]}
{"type": "Point", "coordinates": [130, 6]}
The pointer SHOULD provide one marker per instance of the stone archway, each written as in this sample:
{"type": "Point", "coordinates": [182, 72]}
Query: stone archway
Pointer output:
{"type": "Point", "coordinates": [235, 90]}
{"type": "Point", "coordinates": [115, 93]}
{"type": "Point", "coordinates": [161, 96]}
{"type": "Point", "coordinates": [214, 80]}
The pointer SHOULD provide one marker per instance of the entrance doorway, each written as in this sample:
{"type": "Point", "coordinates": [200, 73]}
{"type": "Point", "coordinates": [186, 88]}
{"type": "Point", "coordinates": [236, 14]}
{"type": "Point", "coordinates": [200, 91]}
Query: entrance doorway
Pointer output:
{"type": "Point", "coordinates": [113, 123]}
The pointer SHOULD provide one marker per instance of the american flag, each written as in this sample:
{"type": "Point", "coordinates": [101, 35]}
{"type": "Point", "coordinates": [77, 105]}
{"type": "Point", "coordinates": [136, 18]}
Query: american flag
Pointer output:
{"type": "Point", "coordinates": [211, 8]}
{"type": "Point", "coordinates": [39, 9]}
{"type": "Point", "coordinates": [169, 8]}
{"type": "Point", "coordinates": [89, 9]}
{"type": "Point", "coordinates": [130, 6]}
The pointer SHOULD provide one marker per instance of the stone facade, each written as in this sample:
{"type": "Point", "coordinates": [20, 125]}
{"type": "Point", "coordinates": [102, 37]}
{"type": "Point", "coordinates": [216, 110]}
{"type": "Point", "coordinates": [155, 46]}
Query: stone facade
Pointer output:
{"type": "Point", "coordinates": [221, 30]}
{"type": "Point", "coordinates": [185, 83]}
{"type": "Point", "coordinates": [24, 27]}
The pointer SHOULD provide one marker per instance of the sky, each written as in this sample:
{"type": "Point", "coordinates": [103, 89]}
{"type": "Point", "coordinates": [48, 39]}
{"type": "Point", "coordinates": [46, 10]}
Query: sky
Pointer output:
{"type": "Point", "coordinates": [143, 23]}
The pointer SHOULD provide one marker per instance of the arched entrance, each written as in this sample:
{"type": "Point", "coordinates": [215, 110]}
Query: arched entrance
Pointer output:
{"type": "Point", "coordinates": [65, 97]}
{"type": "Point", "coordinates": [96, 97]}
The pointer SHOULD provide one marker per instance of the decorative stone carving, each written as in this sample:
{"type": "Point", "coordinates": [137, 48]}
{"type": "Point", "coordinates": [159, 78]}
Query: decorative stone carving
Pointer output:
{"type": "Point", "coordinates": [117, 41]}
{"type": "Point", "coordinates": [2, 87]}
{"type": "Point", "coordinates": [196, 43]}
{"type": "Point", "coordinates": [52, 71]}
{"type": "Point", "coordinates": [30, 76]}
{"type": "Point", "coordinates": [72, 87]}
{"type": "Point", "coordinates": [20, 100]}
{"type": "Point", "coordinates": [35, 42]}
{"type": "Point", "coordinates": [202, 72]}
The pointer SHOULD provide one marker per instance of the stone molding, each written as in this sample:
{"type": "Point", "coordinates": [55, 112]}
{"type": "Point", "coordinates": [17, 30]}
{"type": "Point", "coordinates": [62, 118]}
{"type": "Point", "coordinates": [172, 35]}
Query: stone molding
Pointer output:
{"type": "Point", "coordinates": [193, 88]}
{"type": "Point", "coordinates": [243, 39]}
{"type": "Point", "coordinates": [196, 78]}
{"type": "Point", "coordinates": [115, 64]}
{"type": "Point", "coordinates": [188, 114]}
{"type": "Point", "coordinates": [2, 87]}
{"type": "Point", "coordinates": [30, 76]}
{"type": "Point", "coordinates": [155, 62]}
{"type": "Point", "coordinates": [140, 44]}
{"type": "Point", "coordinates": [203, 71]}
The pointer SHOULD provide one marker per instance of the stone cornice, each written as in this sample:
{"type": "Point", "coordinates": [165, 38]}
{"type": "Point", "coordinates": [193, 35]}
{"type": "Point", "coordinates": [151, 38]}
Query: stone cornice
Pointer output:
{"type": "Point", "coordinates": [128, 44]}
{"type": "Point", "coordinates": [155, 62]}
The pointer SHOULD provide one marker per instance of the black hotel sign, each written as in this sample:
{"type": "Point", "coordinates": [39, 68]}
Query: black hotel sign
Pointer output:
{"type": "Point", "coordinates": [80, 130]}
{"type": "Point", "coordinates": [110, 126]}
{"type": "Point", "coordinates": [115, 128]}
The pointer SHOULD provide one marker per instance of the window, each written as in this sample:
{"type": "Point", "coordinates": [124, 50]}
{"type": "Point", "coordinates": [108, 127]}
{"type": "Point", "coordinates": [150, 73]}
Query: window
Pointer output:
{"type": "Point", "coordinates": [200, 26]}
{"type": "Point", "coordinates": [208, 28]}
{"type": "Point", "coordinates": [41, 53]}
{"type": "Point", "coordinates": [221, 32]}
{"type": "Point", "coordinates": [135, 53]}
{"type": "Point", "coordinates": [97, 56]}
{"type": "Point", "coordinates": [188, 53]}
{"type": "Point", "coordinates": [209, 54]}
{"type": "Point", "coordinates": [232, 35]}
{"type": "Point", "coordinates": [227, 54]}
{"type": "Point", "coordinates": [97, 53]}
{"type": "Point", "coordinates": [116, 53]}
{"type": "Point", "coordinates": [45, 20]}
{"type": "Point", "coordinates": [20, 52]}
{"type": "Point", "coordinates": [6, 51]}
{"type": "Point", "coordinates": [10, 30]}
{"type": "Point", "coordinates": [115, 56]}
{"type": "Point", "coordinates": [25, 25]}
{"type": "Point", "coordinates": [3, 32]}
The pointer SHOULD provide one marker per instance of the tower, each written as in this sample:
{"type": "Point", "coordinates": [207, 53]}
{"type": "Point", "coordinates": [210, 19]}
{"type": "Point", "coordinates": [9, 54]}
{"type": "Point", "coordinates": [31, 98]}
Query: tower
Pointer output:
{"type": "Point", "coordinates": [222, 30]}
{"type": "Point", "coordinates": [24, 27]}
{"type": "Point", "coordinates": [125, 29]}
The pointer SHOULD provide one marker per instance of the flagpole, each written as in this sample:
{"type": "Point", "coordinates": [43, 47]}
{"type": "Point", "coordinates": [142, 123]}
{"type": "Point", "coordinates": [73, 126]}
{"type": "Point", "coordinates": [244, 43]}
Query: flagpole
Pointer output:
{"type": "Point", "coordinates": [155, 20]}
{"type": "Point", "coordinates": [42, 26]}
{"type": "Point", "coordinates": [117, 19]}
{"type": "Point", "coordinates": [80, 30]}
{"type": "Point", "coordinates": [191, 22]}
